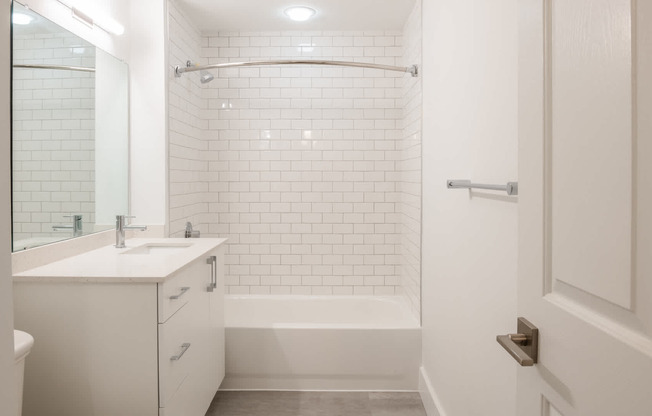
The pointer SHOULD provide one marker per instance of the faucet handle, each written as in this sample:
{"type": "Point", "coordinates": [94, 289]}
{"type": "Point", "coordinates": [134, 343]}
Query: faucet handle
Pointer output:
{"type": "Point", "coordinates": [190, 233]}
{"type": "Point", "coordinates": [120, 220]}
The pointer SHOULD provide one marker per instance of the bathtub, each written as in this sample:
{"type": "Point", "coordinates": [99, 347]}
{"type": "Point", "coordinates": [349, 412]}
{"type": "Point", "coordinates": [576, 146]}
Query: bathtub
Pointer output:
{"type": "Point", "coordinates": [321, 343]}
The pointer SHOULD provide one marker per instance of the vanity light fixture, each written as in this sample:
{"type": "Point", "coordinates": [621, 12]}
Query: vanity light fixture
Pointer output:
{"type": "Point", "coordinates": [21, 19]}
{"type": "Point", "coordinates": [109, 25]}
{"type": "Point", "coordinates": [105, 23]}
{"type": "Point", "coordinates": [300, 13]}
{"type": "Point", "coordinates": [82, 17]}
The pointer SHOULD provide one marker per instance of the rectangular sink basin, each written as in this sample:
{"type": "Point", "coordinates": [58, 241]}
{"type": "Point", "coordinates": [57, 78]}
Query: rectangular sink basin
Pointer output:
{"type": "Point", "coordinates": [159, 248]}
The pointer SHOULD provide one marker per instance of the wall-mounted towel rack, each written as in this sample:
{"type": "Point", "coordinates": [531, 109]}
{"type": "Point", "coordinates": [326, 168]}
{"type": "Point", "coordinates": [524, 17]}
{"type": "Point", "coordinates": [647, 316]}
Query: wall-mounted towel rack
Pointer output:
{"type": "Point", "coordinates": [511, 188]}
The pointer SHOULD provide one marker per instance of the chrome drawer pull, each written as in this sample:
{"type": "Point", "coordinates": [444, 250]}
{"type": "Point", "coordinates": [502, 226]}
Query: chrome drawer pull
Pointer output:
{"type": "Point", "coordinates": [184, 348]}
{"type": "Point", "coordinates": [212, 260]}
{"type": "Point", "coordinates": [183, 292]}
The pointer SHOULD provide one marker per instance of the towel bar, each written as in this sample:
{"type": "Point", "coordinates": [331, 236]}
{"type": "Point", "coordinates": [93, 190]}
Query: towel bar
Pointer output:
{"type": "Point", "coordinates": [511, 188]}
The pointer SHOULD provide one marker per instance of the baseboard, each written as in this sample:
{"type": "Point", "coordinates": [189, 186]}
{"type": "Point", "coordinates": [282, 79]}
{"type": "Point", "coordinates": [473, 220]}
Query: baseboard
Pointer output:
{"type": "Point", "coordinates": [325, 391]}
{"type": "Point", "coordinates": [428, 396]}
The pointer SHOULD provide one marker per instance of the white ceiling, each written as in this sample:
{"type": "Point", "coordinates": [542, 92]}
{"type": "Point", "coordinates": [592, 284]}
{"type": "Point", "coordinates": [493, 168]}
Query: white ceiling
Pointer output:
{"type": "Point", "coordinates": [267, 15]}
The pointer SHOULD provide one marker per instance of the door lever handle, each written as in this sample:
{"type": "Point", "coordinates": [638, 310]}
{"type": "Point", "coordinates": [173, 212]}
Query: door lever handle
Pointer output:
{"type": "Point", "coordinates": [524, 345]}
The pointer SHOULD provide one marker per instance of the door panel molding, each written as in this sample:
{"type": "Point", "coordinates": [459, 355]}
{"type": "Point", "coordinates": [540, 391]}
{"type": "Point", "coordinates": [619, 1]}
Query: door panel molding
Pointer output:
{"type": "Point", "coordinates": [547, 408]}
{"type": "Point", "coordinates": [636, 339]}
{"type": "Point", "coordinates": [635, 135]}
{"type": "Point", "coordinates": [617, 286]}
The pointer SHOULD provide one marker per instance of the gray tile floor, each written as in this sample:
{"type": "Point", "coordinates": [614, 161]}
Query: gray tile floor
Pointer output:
{"type": "Point", "coordinates": [290, 403]}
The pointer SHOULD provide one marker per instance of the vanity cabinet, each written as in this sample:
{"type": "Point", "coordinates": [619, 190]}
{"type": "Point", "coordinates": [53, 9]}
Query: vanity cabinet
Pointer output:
{"type": "Point", "coordinates": [127, 348]}
{"type": "Point", "coordinates": [191, 337]}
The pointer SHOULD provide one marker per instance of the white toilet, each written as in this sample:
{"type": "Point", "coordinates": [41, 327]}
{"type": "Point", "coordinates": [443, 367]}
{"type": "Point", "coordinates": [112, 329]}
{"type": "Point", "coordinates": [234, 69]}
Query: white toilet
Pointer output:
{"type": "Point", "coordinates": [22, 346]}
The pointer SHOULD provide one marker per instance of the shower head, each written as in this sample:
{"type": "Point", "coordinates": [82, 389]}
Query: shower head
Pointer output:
{"type": "Point", "coordinates": [205, 77]}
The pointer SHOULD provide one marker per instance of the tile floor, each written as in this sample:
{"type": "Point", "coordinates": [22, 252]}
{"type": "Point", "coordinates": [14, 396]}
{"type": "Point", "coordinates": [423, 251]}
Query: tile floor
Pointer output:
{"type": "Point", "coordinates": [290, 403]}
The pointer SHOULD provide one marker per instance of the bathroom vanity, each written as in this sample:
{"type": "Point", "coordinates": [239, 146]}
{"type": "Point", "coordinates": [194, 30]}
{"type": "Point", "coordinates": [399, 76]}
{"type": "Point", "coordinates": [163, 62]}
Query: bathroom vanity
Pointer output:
{"type": "Point", "coordinates": [137, 331]}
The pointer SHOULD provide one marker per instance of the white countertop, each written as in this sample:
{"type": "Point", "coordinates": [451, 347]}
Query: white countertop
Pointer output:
{"type": "Point", "coordinates": [111, 265]}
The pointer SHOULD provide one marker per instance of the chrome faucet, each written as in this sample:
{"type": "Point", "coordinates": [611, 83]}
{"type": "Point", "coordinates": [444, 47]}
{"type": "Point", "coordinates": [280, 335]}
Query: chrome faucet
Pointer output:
{"type": "Point", "coordinates": [120, 228]}
{"type": "Point", "coordinates": [190, 233]}
{"type": "Point", "coordinates": [76, 226]}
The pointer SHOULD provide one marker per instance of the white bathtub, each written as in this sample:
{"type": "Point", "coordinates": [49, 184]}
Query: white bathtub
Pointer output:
{"type": "Point", "coordinates": [320, 343]}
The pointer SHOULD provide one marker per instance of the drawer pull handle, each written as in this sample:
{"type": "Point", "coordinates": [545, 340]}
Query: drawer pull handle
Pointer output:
{"type": "Point", "coordinates": [184, 348]}
{"type": "Point", "coordinates": [212, 260]}
{"type": "Point", "coordinates": [183, 292]}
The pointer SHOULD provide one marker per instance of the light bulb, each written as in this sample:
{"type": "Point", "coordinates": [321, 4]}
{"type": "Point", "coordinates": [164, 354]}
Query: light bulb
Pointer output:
{"type": "Point", "coordinates": [300, 13]}
{"type": "Point", "coordinates": [21, 19]}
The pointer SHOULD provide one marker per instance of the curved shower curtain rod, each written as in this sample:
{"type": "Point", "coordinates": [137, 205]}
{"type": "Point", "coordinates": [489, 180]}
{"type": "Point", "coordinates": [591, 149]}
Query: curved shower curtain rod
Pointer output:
{"type": "Point", "coordinates": [62, 67]}
{"type": "Point", "coordinates": [414, 69]}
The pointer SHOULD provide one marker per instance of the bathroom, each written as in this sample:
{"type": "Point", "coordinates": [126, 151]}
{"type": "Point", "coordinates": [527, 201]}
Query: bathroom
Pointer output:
{"type": "Point", "coordinates": [330, 185]}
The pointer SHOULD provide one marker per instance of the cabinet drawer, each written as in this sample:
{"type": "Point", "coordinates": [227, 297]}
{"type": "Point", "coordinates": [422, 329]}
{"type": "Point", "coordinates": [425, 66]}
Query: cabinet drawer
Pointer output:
{"type": "Point", "coordinates": [178, 351]}
{"type": "Point", "coordinates": [180, 288]}
{"type": "Point", "coordinates": [174, 294]}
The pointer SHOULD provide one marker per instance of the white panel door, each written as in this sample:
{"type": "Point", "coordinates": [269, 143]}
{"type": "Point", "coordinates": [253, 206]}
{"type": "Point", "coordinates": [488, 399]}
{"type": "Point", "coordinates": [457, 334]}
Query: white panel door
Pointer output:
{"type": "Point", "coordinates": [585, 205]}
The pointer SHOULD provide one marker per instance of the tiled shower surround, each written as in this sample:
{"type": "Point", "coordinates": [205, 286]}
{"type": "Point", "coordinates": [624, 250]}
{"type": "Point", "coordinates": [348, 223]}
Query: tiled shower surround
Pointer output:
{"type": "Point", "coordinates": [310, 171]}
{"type": "Point", "coordinates": [409, 165]}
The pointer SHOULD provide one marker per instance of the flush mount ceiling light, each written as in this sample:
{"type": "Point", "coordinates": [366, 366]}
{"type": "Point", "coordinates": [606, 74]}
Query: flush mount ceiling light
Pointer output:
{"type": "Point", "coordinates": [300, 13]}
{"type": "Point", "coordinates": [21, 19]}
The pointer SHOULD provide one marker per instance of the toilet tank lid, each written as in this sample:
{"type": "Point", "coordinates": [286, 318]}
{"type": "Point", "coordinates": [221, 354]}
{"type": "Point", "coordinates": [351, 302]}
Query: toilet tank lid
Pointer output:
{"type": "Point", "coordinates": [23, 343]}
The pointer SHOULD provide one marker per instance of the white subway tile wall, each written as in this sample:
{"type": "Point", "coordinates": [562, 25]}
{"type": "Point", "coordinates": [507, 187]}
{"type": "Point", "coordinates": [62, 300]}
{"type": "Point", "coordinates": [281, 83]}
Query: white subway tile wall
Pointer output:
{"type": "Point", "coordinates": [305, 166]}
{"type": "Point", "coordinates": [188, 172]}
{"type": "Point", "coordinates": [307, 163]}
{"type": "Point", "coordinates": [53, 135]}
{"type": "Point", "coordinates": [410, 166]}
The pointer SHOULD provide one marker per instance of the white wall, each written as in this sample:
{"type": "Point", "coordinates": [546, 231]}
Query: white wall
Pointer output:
{"type": "Point", "coordinates": [469, 240]}
{"type": "Point", "coordinates": [111, 139]}
{"type": "Point", "coordinates": [6, 293]}
{"type": "Point", "coordinates": [148, 110]}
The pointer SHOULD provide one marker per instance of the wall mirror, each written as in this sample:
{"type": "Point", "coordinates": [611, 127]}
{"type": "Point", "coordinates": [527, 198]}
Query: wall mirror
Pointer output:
{"type": "Point", "coordinates": [69, 134]}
